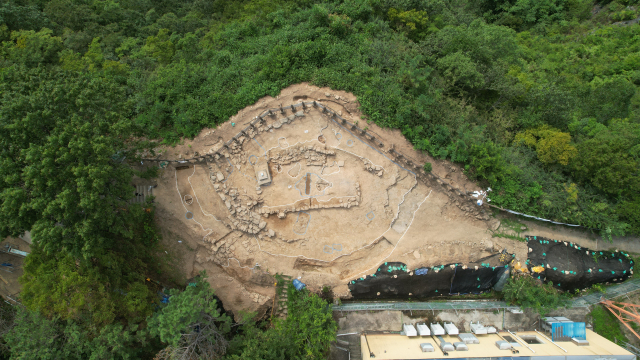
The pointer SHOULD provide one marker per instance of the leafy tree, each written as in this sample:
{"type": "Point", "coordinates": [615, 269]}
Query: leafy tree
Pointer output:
{"type": "Point", "coordinates": [304, 334]}
{"type": "Point", "coordinates": [63, 140]}
{"type": "Point", "coordinates": [33, 48]}
{"type": "Point", "coordinates": [487, 161]}
{"type": "Point", "coordinates": [415, 23]}
{"type": "Point", "coordinates": [100, 291]}
{"type": "Point", "coordinates": [524, 291]}
{"type": "Point", "coordinates": [552, 146]}
{"type": "Point", "coordinates": [607, 159]}
{"type": "Point", "coordinates": [192, 324]}
{"type": "Point", "coordinates": [629, 210]}
{"type": "Point", "coordinates": [522, 14]}
{"type": "Point", "coordinates": [18, 17]}
{"type": "Point", "coordinates": [459, 71]}
{"type": "Point", "coordinates": [160, 47]}
{"type": "Point", "coordinates": [35, 337]}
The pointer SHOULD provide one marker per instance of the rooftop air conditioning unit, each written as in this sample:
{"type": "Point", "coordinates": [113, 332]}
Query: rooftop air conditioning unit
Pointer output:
{"type": "Point", "coordinates": [503, 345]}
{"type": "Point", "coordinates": [436, 329]}
{"type": "Point", "coordinates": [409, 330]}
{"type": "Point", "coordinates": [451, 329]}
{"type": "Point", "coordinates": [478, 329]}
{"type": "Point", "coordinates": [423, 330]}
{"type": "Point", "coordinates": [460, 346]}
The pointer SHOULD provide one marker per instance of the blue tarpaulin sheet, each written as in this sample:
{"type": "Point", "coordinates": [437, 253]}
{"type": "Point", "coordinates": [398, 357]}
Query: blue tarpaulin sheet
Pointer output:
{"type": "Point", "coordinates": [299, 285]}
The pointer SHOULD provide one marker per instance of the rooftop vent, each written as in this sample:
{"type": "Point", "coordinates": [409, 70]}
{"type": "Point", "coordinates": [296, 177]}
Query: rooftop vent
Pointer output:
{"type": "Point", "coordinates": [447, 346]}
{"type": "Point", "coordinates": [580, 342]}
{"type": "Point", "coordinates": [468, 338]}
{"type": "Point", "coordinates": [426, 347]}
{"type": "Point", "coordinates": [531, 339]}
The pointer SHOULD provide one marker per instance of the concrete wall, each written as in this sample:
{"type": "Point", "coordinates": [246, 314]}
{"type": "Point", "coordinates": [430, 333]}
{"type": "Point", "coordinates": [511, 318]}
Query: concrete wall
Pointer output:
{"type": "Point", "coordinates": [358, 321]}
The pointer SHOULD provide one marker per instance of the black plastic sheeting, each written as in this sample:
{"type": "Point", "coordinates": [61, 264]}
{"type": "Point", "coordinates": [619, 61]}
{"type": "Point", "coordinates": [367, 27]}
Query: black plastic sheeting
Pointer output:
{"type": "Point", "coordinates": [569, 266]}
{"type": "Point", "coordinates": [393, 280]}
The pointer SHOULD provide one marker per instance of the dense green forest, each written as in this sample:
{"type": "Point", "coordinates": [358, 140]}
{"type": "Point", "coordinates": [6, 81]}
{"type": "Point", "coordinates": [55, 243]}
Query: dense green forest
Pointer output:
{"type": "Point", "coordinates": [537, 99]}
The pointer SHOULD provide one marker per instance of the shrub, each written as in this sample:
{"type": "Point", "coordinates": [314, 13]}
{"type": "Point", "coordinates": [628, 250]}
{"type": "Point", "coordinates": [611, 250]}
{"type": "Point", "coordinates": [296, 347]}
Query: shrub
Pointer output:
{"type": "Point", "coordinates": [428, 167]}
{"type": "Point", "coordinates": [526, 292]}
{"type": "Point", "coordinates": [605, 324]}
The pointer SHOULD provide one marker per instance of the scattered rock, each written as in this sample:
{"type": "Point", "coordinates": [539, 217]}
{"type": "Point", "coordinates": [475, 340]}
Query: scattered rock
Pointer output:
{"type": "Point", "coordinates": [494, 224]}
{"type": "Point", "coordinates": [341, 163]}
{"type": "Point", "coordinates": [488, 245]}
{"type": "Point", "coordinates": [219, 176]}
{"type": "Point", "coordinates": [416, 254]}
{"type": "Point", "coordinates": [271, 233]}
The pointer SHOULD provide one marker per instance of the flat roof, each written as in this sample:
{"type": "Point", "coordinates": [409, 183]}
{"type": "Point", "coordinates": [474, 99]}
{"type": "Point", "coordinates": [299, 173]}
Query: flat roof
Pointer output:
{"type": "Point", "coordinates": [400, 347]}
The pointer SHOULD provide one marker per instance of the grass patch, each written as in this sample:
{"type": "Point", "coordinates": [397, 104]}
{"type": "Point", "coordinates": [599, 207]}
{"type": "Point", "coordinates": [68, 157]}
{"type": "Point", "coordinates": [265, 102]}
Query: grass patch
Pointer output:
{"type": "Point", "coordinates": [509, 236]}
{"type": "Point", "coordinates": [511, 229]}
{"type": "Point", "coordinates": [605, 324]}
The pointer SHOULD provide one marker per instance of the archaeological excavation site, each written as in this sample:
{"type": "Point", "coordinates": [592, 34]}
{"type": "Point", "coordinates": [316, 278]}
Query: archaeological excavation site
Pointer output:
{"type": "Point", "coordinates": [303, 186]}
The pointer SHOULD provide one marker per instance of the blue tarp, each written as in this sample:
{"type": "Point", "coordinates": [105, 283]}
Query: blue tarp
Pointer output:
{"type": "Point", "coordinates": [299, 285]}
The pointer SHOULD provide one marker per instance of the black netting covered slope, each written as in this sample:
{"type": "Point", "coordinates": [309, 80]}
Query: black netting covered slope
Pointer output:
{"type": "Point", "coordinates": [394, 280]}
{"type": "Point", "coordinates": [569, 266]}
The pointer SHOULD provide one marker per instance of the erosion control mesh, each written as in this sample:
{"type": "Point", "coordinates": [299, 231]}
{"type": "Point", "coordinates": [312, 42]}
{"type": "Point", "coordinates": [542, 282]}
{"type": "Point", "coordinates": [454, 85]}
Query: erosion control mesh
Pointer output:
{"type": "Point", "coordinates": [393, 280]}
{"type": "Point", "coordinates": [569, 266]}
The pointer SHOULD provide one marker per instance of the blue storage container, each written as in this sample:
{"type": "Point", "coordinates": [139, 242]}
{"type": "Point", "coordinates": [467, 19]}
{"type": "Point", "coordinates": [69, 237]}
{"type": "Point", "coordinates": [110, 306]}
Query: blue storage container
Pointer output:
{"type": "Point", "coordinates": [299, 285]}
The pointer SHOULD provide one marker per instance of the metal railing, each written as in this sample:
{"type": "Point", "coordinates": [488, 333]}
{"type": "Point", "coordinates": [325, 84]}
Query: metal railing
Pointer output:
{"type": "Point", "coordinates": [582, 301]}
{"type": "Point", "coordinates": [611, 292]}
{"type": "Point", "coordinates": [431, 305]}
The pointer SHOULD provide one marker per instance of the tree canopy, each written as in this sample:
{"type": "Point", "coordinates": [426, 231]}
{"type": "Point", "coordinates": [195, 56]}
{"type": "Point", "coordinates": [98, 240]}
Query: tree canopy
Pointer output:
{"type": "Point", "coordinates": [537, 99]}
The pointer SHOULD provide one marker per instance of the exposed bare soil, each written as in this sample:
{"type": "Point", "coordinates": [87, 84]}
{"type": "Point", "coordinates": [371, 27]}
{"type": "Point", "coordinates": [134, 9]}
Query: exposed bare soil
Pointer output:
{"type": "Point", "coordinates": [337, 206]}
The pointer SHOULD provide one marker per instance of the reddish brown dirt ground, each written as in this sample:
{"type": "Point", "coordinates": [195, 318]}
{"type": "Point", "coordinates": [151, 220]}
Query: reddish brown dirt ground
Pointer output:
{"type": "Point", "coordinates": [335, 209]}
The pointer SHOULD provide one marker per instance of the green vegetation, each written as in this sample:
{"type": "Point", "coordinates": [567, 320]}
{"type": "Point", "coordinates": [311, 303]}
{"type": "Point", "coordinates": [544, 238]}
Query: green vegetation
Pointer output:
{"type": "Point", "coordinates": [527, 293]}
{"type": "Point", "coordinates": [537, 99]}
{"type": "Point", "coordinates": [510, 229]}
{"type": "Point", "coordinates": [191, 323]}
{"type": "Point", "coordinates": [605, 324]}
{"type": "Point", "coordinates": [305, 333]}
